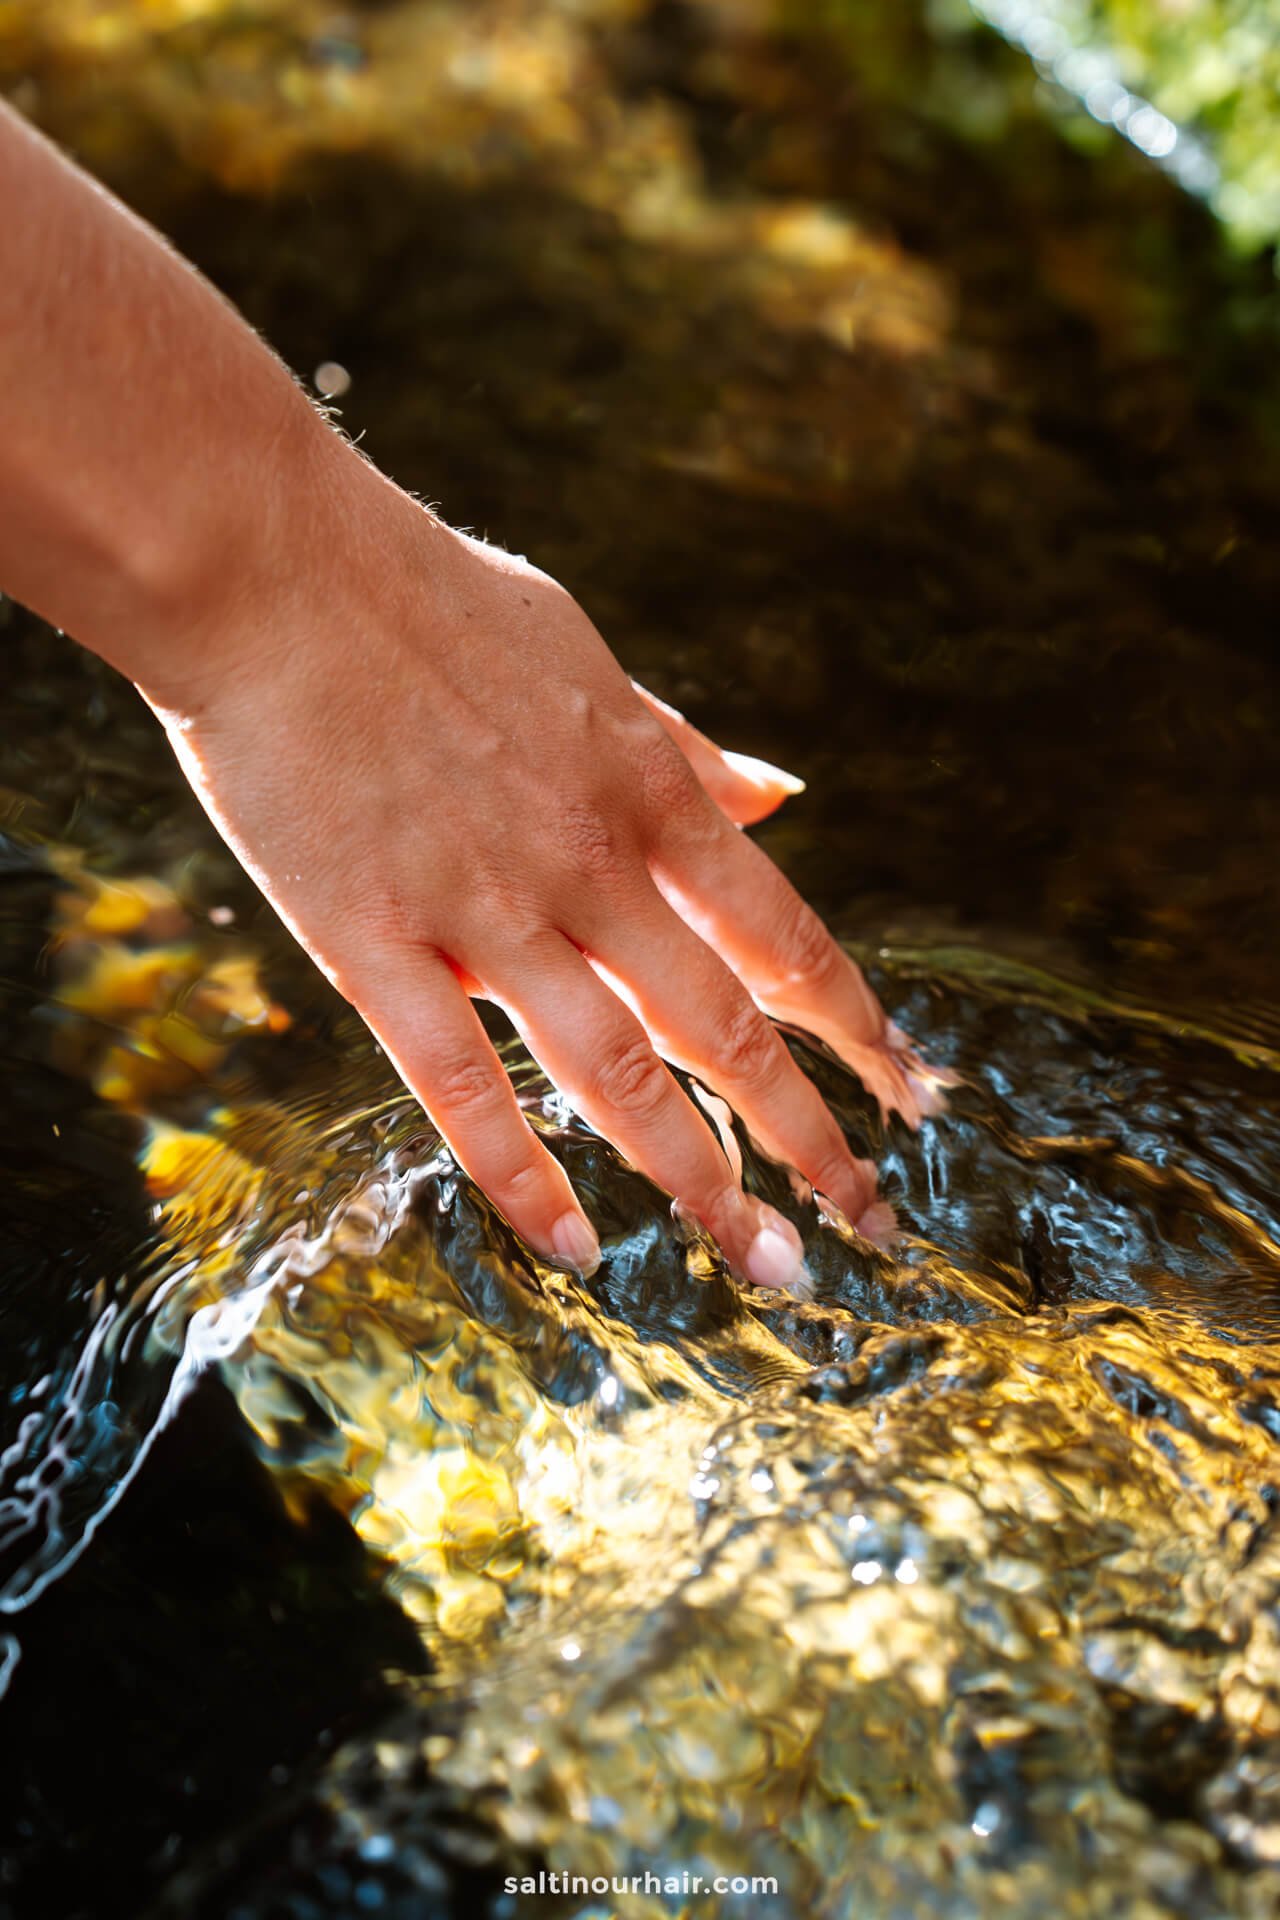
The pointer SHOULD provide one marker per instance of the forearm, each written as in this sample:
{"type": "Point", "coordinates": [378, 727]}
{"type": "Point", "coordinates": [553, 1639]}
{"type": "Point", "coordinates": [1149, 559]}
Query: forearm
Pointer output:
{"type": "Point", "coordinates": [154, 453]}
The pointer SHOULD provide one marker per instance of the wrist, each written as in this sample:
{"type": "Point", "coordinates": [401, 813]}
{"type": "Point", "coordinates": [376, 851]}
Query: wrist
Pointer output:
{"type": "Point", "coordinates": [315, 557]}
{"type": "Point", "coordinates": [196, 601]}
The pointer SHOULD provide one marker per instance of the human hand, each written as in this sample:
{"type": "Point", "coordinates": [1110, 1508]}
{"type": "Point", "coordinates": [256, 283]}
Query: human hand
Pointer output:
{"type": "Point", "coordinates": [430, 762]}
{"type": "Point", "coordinates": [420, 747]}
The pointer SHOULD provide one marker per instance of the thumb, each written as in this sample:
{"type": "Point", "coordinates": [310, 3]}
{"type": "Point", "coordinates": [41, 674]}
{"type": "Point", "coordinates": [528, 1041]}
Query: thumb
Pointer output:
{"type": "Point", "coordinates": [746, 789]}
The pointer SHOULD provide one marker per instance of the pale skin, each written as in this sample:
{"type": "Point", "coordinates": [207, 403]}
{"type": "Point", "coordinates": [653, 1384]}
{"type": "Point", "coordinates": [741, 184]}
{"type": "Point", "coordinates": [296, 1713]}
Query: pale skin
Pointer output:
{"type": "Point", "coordinates": [418, 746]}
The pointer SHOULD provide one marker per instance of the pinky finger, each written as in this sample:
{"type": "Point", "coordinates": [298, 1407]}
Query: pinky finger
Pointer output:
{"type": "Point", "coordinates": [734, 896]}
{"type": "Point", "coordinates": [744, 788]}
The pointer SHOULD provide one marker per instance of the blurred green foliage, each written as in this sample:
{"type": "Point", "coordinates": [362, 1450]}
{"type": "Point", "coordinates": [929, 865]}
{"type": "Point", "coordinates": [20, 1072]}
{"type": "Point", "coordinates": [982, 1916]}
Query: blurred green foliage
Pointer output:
{"type": "Point", "coordinates": [1210, 66]}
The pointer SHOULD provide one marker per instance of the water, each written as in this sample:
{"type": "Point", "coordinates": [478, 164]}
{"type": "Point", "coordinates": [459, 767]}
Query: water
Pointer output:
{"type": "Point", "coordinates": [353, 1560]}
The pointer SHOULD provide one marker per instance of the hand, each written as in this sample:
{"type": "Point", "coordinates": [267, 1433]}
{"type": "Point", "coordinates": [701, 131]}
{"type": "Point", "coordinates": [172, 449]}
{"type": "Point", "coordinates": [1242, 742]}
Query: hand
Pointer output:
{"type": "Point", "coordinates": [420, 747]}
{"type": "Point", "coordinates": [446, 785]}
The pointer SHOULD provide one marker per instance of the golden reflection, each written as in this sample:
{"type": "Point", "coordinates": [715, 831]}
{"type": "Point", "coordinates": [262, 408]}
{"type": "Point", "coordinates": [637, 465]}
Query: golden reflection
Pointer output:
{"type": "Point", "coordinates": [893, 1616]}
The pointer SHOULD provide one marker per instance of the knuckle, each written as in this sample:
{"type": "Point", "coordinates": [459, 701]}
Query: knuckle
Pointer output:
{"type": "Point", "coordinates": [643, 732]}
{"type": "Point", "coordinates": [665, 779]}
{"type": "Point", "coordinates": [748, 1048]}
{"type": "Point", "coordinates": [463, 1085]}
{"type": "Point", "coordinates": [703, 828]}
{"type": "Point", "coordinates": [491, 896]}
{"type": "Point", "coordinates": [389, 918]}
{"type": "Point", "coordinates": [807, 952]}
{"type": "Point", "coordinates": [633, 1077]}
{"type": "Point", "coordinates": [383, 936]}
{"type": "Point", "coordinates": [590, 843]}
{"type": "Point", "coordinates": [367, 977]}
{"type": "Point", "coordinates": [522, 1181]}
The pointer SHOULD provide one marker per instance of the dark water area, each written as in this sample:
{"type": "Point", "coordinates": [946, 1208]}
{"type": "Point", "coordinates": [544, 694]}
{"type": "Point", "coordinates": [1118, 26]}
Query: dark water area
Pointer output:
{"type": "Point", "coordinates": [898, 426]}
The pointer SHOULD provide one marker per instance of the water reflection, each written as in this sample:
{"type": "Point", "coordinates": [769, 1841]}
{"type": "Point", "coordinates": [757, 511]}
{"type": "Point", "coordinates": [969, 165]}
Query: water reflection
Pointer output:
{"type": "Point", "coordinates": [954, 1586]}
{"type": "Point", "coordinates": [964, 1568]}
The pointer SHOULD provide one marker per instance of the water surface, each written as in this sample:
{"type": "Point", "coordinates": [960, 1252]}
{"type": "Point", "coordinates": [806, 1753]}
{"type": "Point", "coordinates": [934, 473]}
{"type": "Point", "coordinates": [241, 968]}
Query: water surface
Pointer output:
{"type": "Point", "coordinates": [894, 432]}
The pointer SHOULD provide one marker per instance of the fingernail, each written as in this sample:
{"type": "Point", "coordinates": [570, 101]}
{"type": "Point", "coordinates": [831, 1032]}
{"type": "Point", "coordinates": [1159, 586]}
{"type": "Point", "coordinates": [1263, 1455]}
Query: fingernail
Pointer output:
{"type": "Point", "coordinates": [774, 1260]}
{"type": "Point", "coordinates": [574, 1240]}
{"type": "Point", "coordinates": [879, 1225]}
{"type": "Point", "coordinates": [764, 773]}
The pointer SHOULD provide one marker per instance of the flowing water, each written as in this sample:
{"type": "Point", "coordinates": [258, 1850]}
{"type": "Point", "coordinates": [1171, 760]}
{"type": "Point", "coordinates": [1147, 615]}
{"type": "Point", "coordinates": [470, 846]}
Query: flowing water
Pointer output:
{"type": "Point", "coordinates": [899, 425]}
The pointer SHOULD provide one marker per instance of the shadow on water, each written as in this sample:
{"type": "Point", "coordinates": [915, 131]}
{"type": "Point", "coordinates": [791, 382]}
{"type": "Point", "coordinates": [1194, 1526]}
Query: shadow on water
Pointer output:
{"type": "Point", "coordinates": [897, 437]}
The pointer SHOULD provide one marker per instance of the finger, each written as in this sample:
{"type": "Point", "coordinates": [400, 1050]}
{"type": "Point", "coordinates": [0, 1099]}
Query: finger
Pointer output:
{"type": "Point", "coordinates": [432, 1034]}
{"type": "Point", "coordinates": [700, 1016]}
{"type": "Point", "coordinates": [731, 893]}
{"type": "Point", "coordinates": [744, 788]}
{"type": "Point", "coordinates": [598, 1054]}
